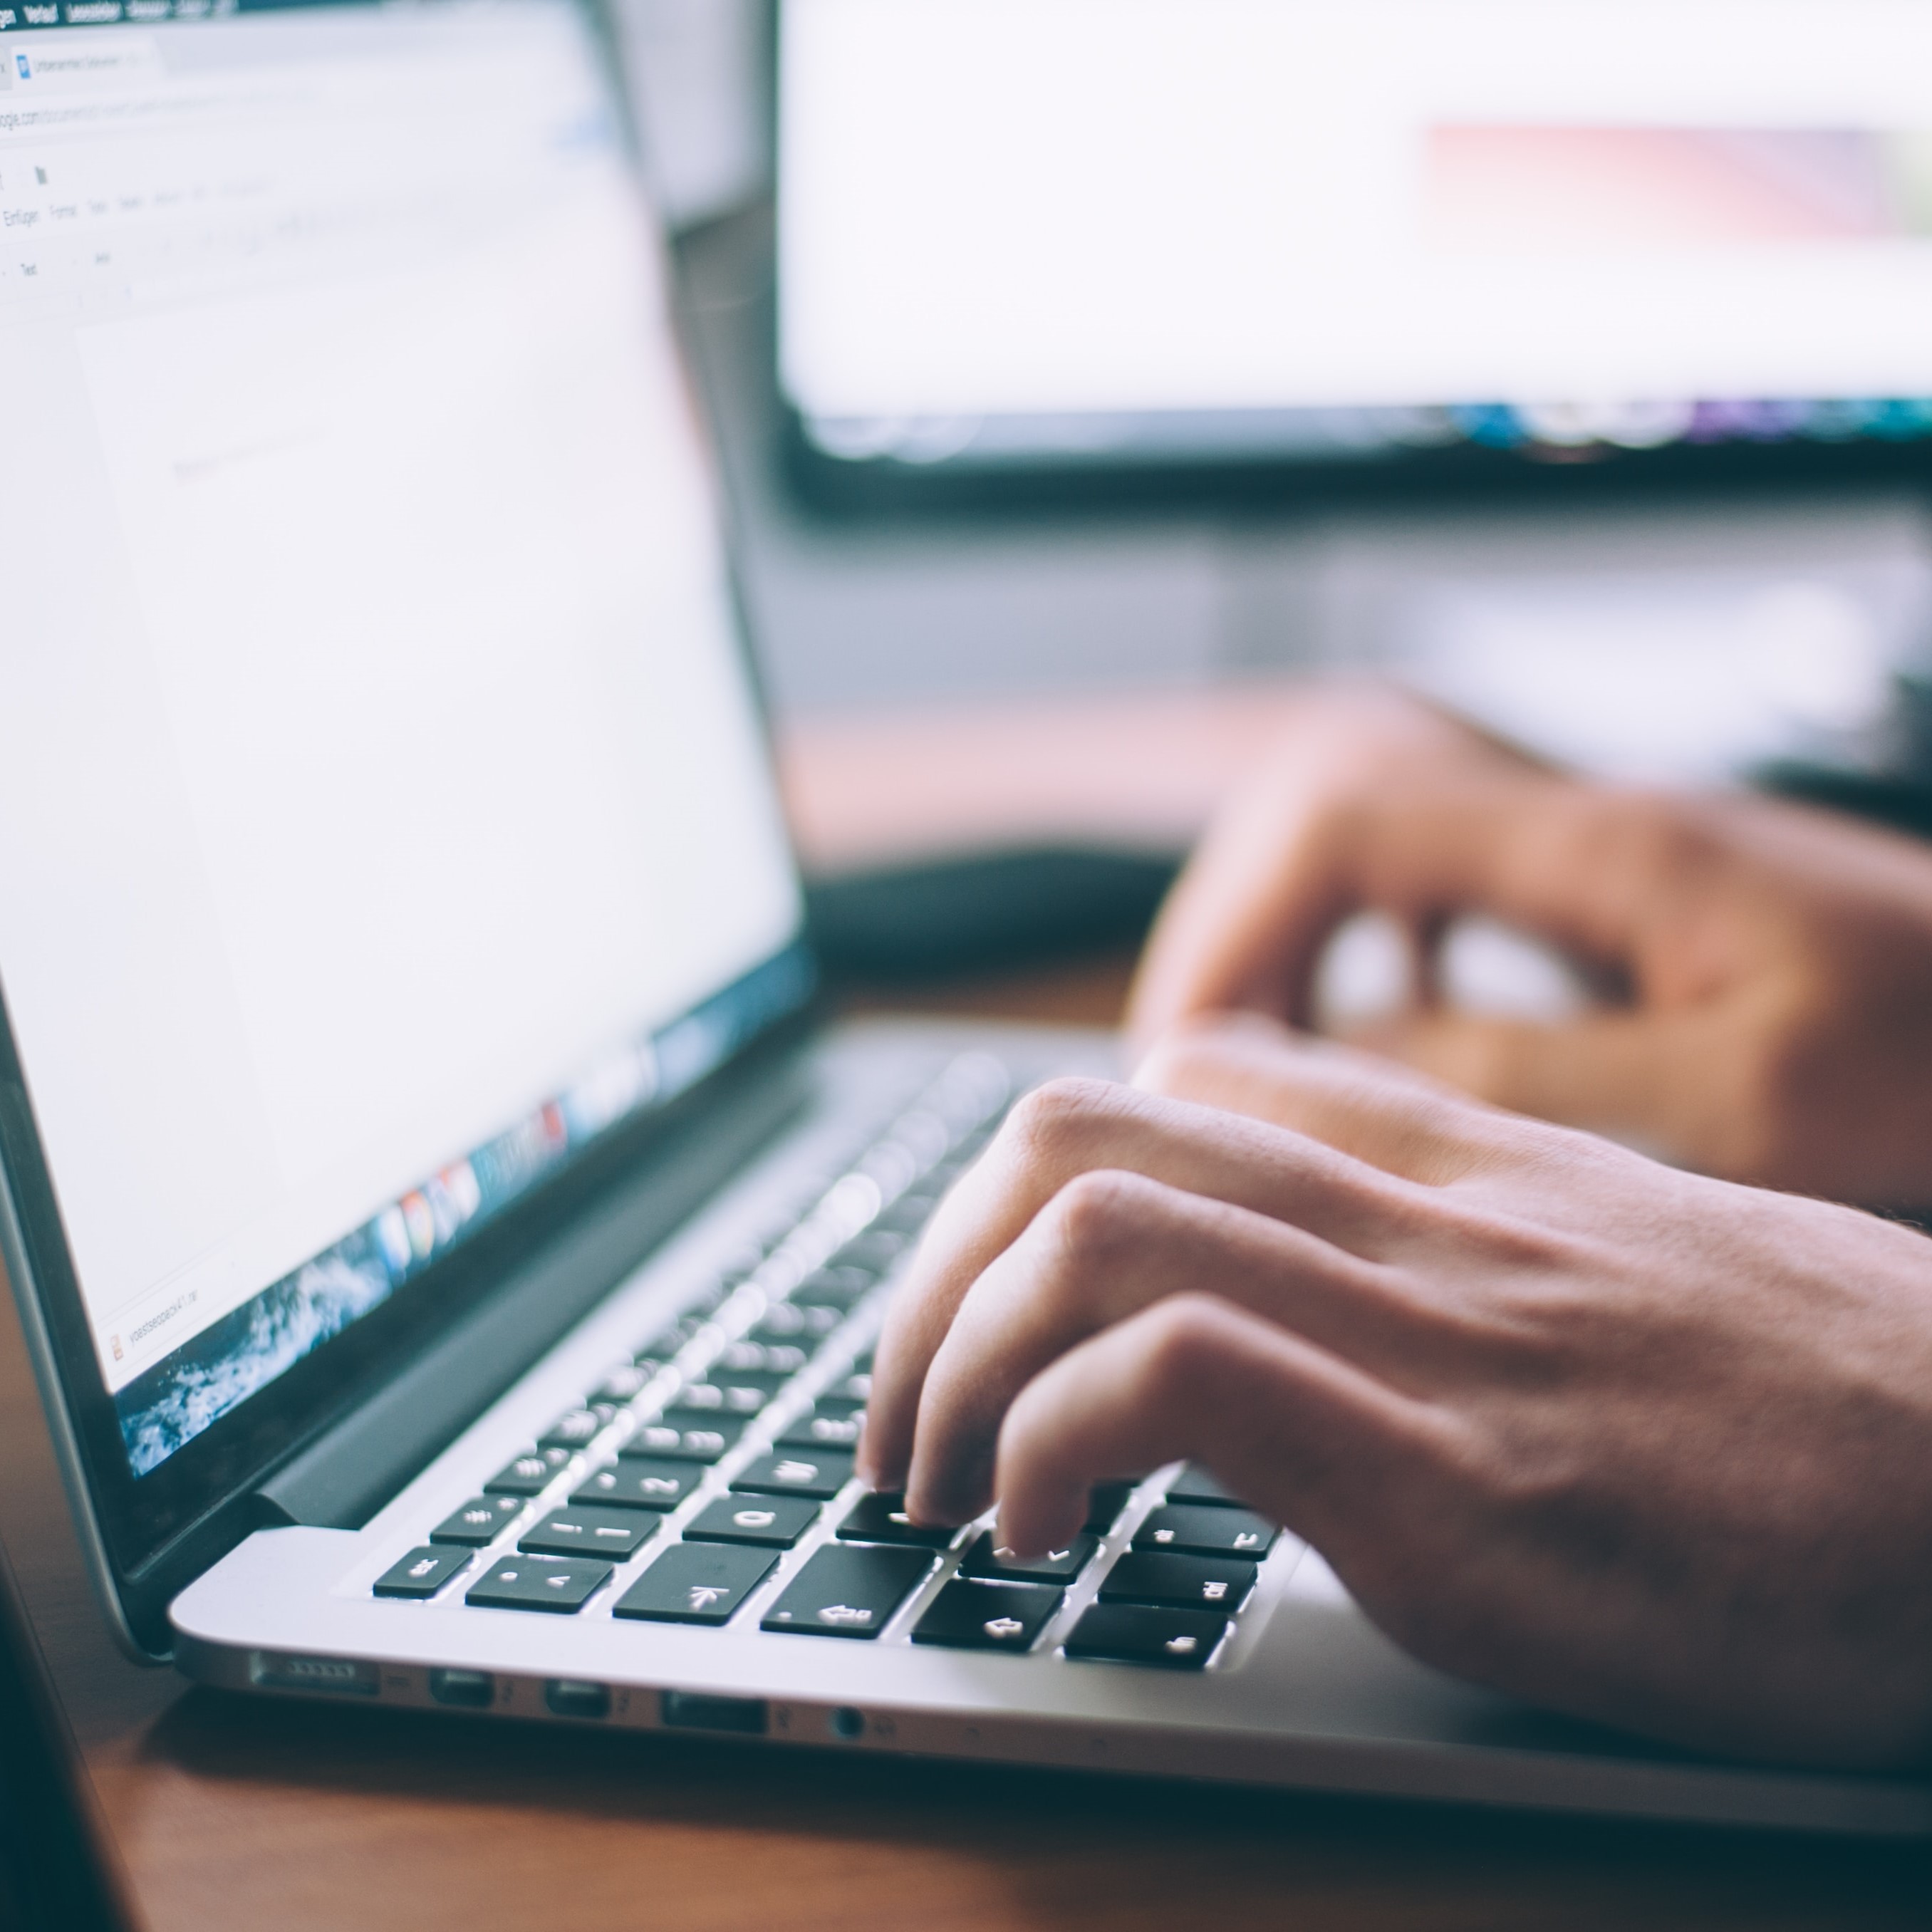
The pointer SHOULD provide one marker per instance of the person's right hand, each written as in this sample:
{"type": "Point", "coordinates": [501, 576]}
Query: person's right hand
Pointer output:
{"type": "Point", "coordinates": [1644, 1447]}
{"type": "Point", "coordinates": [1778, 1024]}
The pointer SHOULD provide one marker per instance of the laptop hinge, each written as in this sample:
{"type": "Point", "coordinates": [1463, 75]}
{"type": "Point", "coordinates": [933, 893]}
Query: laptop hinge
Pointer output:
{"type": "Point", "coordinates": [347, 1474]}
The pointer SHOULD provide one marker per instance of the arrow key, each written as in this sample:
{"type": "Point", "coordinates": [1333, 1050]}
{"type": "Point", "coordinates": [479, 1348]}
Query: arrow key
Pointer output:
{"type": "Point", "coordinates": [988, 1558]}
{"type": "Point", "coordinates": [1132, 1634]}
{"type": "Point", "coordinates": [988, 1616]}
{"type": "Point", "coordinates": [1178, 1582]}
{"type": "Point", "coordinates": [1184, 1529]}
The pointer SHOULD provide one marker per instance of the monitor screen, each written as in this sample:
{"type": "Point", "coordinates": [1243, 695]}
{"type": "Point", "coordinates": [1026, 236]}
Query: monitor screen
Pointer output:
{"type": "Point", "coordinates": [1353, 226]}
{"type": "Point", "coordinates": [384, 811]}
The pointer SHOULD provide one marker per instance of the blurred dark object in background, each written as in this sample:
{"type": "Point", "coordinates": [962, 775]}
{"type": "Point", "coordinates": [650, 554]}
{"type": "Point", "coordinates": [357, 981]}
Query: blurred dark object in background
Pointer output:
{"type": "Point", "coordinates": [1893, 785]}
{"type": "Point", "coordinates": [974, 838]}
{"type": "Point", "coordinates": [983, 913]}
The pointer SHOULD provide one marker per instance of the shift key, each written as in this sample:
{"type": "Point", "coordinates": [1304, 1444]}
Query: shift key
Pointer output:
{"type": "Point", "coordinates": [848, 1591]}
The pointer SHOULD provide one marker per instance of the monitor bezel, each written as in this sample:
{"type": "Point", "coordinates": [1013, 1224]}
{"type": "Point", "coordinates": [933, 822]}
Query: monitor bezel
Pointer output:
{"type": "Point", "coordinates": [1164, 472]}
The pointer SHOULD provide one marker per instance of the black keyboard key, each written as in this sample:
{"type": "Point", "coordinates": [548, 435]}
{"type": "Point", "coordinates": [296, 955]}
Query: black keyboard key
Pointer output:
{"type": "Point", "coordinates": [790, 1321]}
{"type": "Point", "coordinates": [562, 1584]}
{"type": "Point", "coordinates": [1199, 1530]}
{"type": "Point", "coordinates": [882, 1518]}
{"type": "Point", "coordinates": [478, 1522]}
{"type": "Point", "coordinates": [772, 1523]}
{"type": "Point", "coordinates": [821, 1474]}
{"type": "Point", "coordinates": [988, 1558]}
{"type": "Point", "coordinates": [703, 1442]}
{"type": "Point", "coordinates": [1178, 1582]}
{"type": "Point", "coordinates": [845, 1590]}
{"type": "Point", "coordinates": [695, 1583]}
{"type": "Point", "coordinates": [611, 1534]}
{"type": "Point", "coordinates": [527, 1473]}
{"type": "Point", "coordinates": [1104, 1505]}
{"type": "Point", "coordinates": [573, 1430]}
{"type": "Point", "coordinates": [624, 1384]}
{"type": "Point", "coordinates": [824, 1432]}
{"type": "Point", "coordinates": [838, 1286]}
{"type": "Point", "coordinates": [721, 1398]}
{"type": "Point", "coordinates": [767, 1382]}
{"type": "Point", "coordinates": [1195, 1485]}
{"type": "Point", "coordinates": [1132, 1634]}
{"type": "Point", "coordinates": [422, 1573]}
{"type": "Point", "coordinates": [988, 1616]}
{"type": "Point", "coordinates": [831, 1403]}
{"type": "Point", "coordinates": [640, 1482]}
{"type": "Point", "coordinates": [776, 1362]}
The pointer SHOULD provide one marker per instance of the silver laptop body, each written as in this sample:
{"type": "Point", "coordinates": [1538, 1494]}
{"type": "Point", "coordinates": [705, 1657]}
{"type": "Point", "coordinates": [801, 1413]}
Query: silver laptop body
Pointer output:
{"type": "Point", "coordinates": [450, 1251]}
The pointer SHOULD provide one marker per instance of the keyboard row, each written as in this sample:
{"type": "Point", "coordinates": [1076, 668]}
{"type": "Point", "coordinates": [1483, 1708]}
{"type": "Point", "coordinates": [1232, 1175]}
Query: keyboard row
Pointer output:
{"type": "Point", "coordinates": [725, 1378]}
{"type": "Point", "coordinates": [1166, 1600]}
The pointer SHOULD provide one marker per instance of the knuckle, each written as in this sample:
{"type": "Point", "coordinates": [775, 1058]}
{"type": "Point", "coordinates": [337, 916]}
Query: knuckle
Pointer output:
{"type": "Point", "coordinates": [1181, 1343]}
{"type": "Point", "coordinates": [1095, 1215]}
{"type": "Point", "coordinates": [1055, 1119]}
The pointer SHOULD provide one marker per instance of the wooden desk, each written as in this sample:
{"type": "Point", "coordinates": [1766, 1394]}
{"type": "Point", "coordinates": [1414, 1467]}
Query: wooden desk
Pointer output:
{"type": "Point", "coordinates": [280, 1817]}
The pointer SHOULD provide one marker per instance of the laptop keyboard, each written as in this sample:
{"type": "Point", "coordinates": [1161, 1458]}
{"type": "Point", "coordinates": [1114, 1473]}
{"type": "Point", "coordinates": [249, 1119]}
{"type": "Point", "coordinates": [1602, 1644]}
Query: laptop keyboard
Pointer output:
{"type": "Point", "coordinates": [719, 1458]}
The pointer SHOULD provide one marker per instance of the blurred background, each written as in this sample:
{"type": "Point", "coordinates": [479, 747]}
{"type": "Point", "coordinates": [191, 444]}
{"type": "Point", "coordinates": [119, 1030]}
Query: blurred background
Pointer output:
{"type": "Point", "coordinates": [1110, 386]}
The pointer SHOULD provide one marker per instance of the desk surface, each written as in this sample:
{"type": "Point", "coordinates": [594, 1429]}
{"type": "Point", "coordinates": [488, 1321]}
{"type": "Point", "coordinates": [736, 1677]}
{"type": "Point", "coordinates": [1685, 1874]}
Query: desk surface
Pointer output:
{"type": "Point", "coordinates": [231, 1812]}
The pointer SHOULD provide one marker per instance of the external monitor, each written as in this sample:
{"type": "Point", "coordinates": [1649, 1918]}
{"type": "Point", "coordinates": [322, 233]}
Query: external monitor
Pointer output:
{"type": "Point", "coordinates": [1455, 238]}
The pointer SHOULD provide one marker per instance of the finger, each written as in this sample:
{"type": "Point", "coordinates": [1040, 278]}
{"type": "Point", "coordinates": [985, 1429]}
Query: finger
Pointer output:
{"type": "Point", "coordinates": [1071, 1127]}
{"type": "Point", "coordinates": [1363, 1105]}
{"type": "Point", "coordinates": [1272, 877]}
{"type": "Point", "coordinates": [1107, 1246]}
{"type": "Point", "coordinates": [1246, 925]}
{"type": "Point", "coordinates": [1315, 1444]}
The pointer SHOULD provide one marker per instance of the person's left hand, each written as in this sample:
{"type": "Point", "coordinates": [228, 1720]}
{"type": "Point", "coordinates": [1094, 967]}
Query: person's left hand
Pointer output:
{"type": "Point", "coordinates": [1647, 1447]}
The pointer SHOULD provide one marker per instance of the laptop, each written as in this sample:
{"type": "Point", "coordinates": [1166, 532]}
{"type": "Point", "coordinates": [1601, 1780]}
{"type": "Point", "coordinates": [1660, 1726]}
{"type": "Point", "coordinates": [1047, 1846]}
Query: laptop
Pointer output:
{"type": "Point", "coordinates": [452, 1246]}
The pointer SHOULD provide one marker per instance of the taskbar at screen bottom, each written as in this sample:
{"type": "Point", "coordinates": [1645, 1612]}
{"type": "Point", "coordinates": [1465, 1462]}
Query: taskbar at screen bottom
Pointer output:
{"type": "Point", "coordinates": [240, 1352]}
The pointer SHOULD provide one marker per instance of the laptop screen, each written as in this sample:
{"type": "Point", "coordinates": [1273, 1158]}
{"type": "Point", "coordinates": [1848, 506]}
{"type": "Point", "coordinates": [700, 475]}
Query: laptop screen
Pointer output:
{"type": "Point", "coordinates": [384, 812]}
{"type": "Point", "coordinates": [1345, 228]}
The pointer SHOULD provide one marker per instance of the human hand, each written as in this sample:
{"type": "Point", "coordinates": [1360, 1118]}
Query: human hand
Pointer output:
{"type": "Point", "coordinates": [1776, 1023]}
{"type": "Point", "coordinates": [1647, 1447]}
